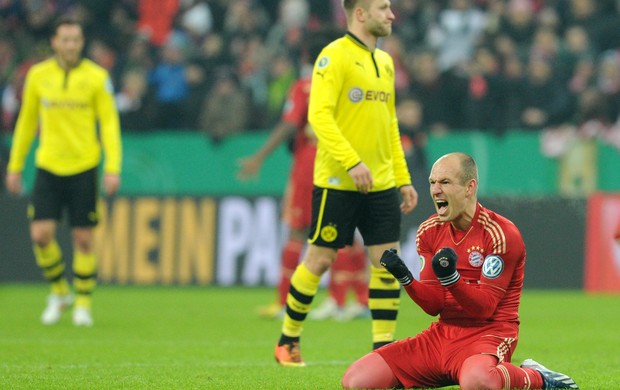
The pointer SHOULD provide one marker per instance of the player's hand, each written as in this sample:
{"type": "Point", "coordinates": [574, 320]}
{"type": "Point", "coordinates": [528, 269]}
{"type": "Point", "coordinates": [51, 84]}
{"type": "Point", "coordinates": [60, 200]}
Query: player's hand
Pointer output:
{"type": "Point", "coordinates": [14, 182]}
{"type": "Point", "coordinates": [111, 183]}
{"type": "Point", "coordinates": [248, 167]}
{"type": "Point", "coordinates": [362, 177]}
{"type": "Point", "coordinates": [410, 199]}
{"type": "Point", "coordinates": [396, 267]}
{"type": "Point", "coordinates": [444, 266]}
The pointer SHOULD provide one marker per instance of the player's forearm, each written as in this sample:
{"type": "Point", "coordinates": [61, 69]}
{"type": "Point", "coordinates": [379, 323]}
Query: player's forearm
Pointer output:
{"type": "Point", "coordinates": [401, 174]}
{"type": "Point", "coordinates": [280, 133]}
{"type": "Point", "coordinates": [22, 141]}
{"type": "Point", "coordinates": [25, 132]}
{"type": "Point", "coordinates": [111, 140]}
{"type": "Point", "coordinates": [110, 128]}
{"type": "Point", "coordinates": [401, 170]}
{"type": "Point", "coordinates": [429, 298]}
{"type": "Point", "coordinates": [478, 301]}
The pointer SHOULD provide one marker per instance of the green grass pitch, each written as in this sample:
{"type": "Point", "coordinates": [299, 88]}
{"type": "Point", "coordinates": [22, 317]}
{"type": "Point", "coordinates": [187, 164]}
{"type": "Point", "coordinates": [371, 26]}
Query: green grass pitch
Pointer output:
{"type": "Point", "coordinates": [210, 338]}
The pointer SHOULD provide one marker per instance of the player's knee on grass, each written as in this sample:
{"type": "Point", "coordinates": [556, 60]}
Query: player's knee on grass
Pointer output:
{"type": "Point", "coordinates": [480, 372]}
{"type": "Point", "coordinates": [369, 372]}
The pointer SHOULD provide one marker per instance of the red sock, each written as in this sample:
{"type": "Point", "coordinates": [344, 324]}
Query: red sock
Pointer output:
{"type": "Point", "coordinates": [338, 278]}
{"type": "Point", "coordinates": [290, 258]}
{"type": "Point", "coordinates": [483, 371]}
{"type": "Point", "coordinates": [349, 273]}
{"type": "Point", "coordinates": [514, 377]}
{"type": "Point", "coordinates": [359, 280]}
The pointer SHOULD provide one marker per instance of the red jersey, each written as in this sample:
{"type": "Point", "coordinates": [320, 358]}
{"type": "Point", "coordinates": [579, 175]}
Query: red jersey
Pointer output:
{"type": "Point", "coordinates": [491, 262]}
{"type": "Point", "coordinates": [297, 211]}
{"type": "Point", "coordinates": [296, 112]}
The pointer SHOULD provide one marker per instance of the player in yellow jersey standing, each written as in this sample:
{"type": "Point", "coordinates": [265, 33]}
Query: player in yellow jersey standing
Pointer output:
{"type": "Point", "coordinates": [70, 100]}
{"type": "Point", "coordinates": [359, 171]}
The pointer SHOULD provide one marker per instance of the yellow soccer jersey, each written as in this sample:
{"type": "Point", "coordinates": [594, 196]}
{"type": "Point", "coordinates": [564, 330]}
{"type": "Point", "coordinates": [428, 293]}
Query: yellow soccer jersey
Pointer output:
{"type": "Point", "coordinates": [352, 111]}
{"type": "Point", "coordinates": [67, 107]}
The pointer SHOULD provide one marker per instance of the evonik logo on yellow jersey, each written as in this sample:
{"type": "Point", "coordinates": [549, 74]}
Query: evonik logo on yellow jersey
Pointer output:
{"type": "Point", "coordinates": [356, 95]}
{"type": "Point", "coordinates": [70, 104]}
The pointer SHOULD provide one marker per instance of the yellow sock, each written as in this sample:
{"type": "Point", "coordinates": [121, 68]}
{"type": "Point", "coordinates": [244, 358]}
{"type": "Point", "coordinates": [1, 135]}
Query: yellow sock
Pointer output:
{"type": "Point", "coordinates": [49, 259]}
{"type": "Point", "coordinates": [383, 302]}
{"type": "Point", "coordinates": [304, 285]}
{"type": "Point", "coordinates": [84, 277]}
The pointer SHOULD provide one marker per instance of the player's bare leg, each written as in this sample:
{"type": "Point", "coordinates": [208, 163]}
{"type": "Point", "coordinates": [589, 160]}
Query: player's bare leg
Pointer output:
{"type": "Point", "coordinates": [369, 372]}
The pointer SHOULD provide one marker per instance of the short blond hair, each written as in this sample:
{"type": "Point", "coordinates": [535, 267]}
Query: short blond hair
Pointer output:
{"type": "Point", "coordinates": [349, 5]}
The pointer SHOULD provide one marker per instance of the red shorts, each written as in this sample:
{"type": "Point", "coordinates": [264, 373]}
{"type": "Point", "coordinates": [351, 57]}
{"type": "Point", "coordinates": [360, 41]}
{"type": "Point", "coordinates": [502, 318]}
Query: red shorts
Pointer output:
{"type": "Point", "coordinates": [434, 357]}
{"type": "Point", "coordinates": [297, 202]}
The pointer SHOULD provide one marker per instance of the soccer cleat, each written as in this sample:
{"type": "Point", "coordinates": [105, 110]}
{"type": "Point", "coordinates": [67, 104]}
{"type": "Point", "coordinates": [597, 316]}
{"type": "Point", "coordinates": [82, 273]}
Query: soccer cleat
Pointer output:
{"type": "Point", "coordinates": [551, 379]}
{"type": "Point", "coordinates": [327, 309]}
{"type": "Point", "coordinates": [82, 317]}
{"type": "Point", "coordinates": [273, 311]}
{"type": "Point", "coordinates": [289, 355]}
{"type": "Point", "coordinates": [56, 304]}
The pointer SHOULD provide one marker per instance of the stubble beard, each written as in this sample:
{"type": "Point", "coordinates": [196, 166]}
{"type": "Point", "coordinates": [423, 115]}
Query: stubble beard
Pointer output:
{"type": "Point", "coordinates": [71, 60]}
{"type": "Point", "coordinates": [380, 30]}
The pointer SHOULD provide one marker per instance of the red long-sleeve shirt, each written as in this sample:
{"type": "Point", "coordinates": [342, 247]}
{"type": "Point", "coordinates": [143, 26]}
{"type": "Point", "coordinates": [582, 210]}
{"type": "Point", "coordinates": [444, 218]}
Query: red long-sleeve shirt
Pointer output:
{"type": "Point", "coordinates": [491, 262]}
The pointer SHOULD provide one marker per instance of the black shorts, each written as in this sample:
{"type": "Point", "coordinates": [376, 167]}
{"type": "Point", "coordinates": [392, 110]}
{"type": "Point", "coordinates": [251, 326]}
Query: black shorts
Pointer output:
{"type": "Point", "coordinates": [52, 194]}
{"type": "Point", "coordinates": [336, 214]}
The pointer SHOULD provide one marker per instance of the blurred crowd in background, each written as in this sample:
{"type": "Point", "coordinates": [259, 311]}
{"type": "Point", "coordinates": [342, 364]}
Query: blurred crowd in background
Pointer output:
{"type": "Point", "coordinates": [224, 66]}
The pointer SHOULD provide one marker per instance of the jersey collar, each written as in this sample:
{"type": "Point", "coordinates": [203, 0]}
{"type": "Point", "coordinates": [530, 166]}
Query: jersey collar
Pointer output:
{"type": "Point", "coordinates": [357, 41]}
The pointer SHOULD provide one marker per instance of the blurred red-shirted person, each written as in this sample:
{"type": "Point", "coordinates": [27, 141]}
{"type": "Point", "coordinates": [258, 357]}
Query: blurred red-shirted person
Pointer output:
{"type": "Point", "coordinates": [349, 270]}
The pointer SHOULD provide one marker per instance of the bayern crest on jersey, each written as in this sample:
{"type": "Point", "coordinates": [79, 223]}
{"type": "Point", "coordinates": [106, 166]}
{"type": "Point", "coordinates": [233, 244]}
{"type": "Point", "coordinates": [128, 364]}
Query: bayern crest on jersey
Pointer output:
{"type": "Point", "coordinates": [475, 259]}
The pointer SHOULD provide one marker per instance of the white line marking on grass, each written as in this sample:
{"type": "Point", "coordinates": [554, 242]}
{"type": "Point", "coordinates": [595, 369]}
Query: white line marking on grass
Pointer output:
{"type": "Point", "coordinates": [166, 364]}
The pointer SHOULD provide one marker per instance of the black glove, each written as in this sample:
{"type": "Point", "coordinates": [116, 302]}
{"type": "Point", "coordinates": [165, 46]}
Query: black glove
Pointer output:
{"type": "Point", "coordinates": [444, 266]}
{"type": "Point", "coordinates": [396, 267]}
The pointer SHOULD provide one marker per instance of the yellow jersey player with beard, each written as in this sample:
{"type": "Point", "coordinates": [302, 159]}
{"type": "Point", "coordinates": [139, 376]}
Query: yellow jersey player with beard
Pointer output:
{"type": "Point", "coordinates": [70, 100]}
{"type": "Point", "coordinates": [361, 178]}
